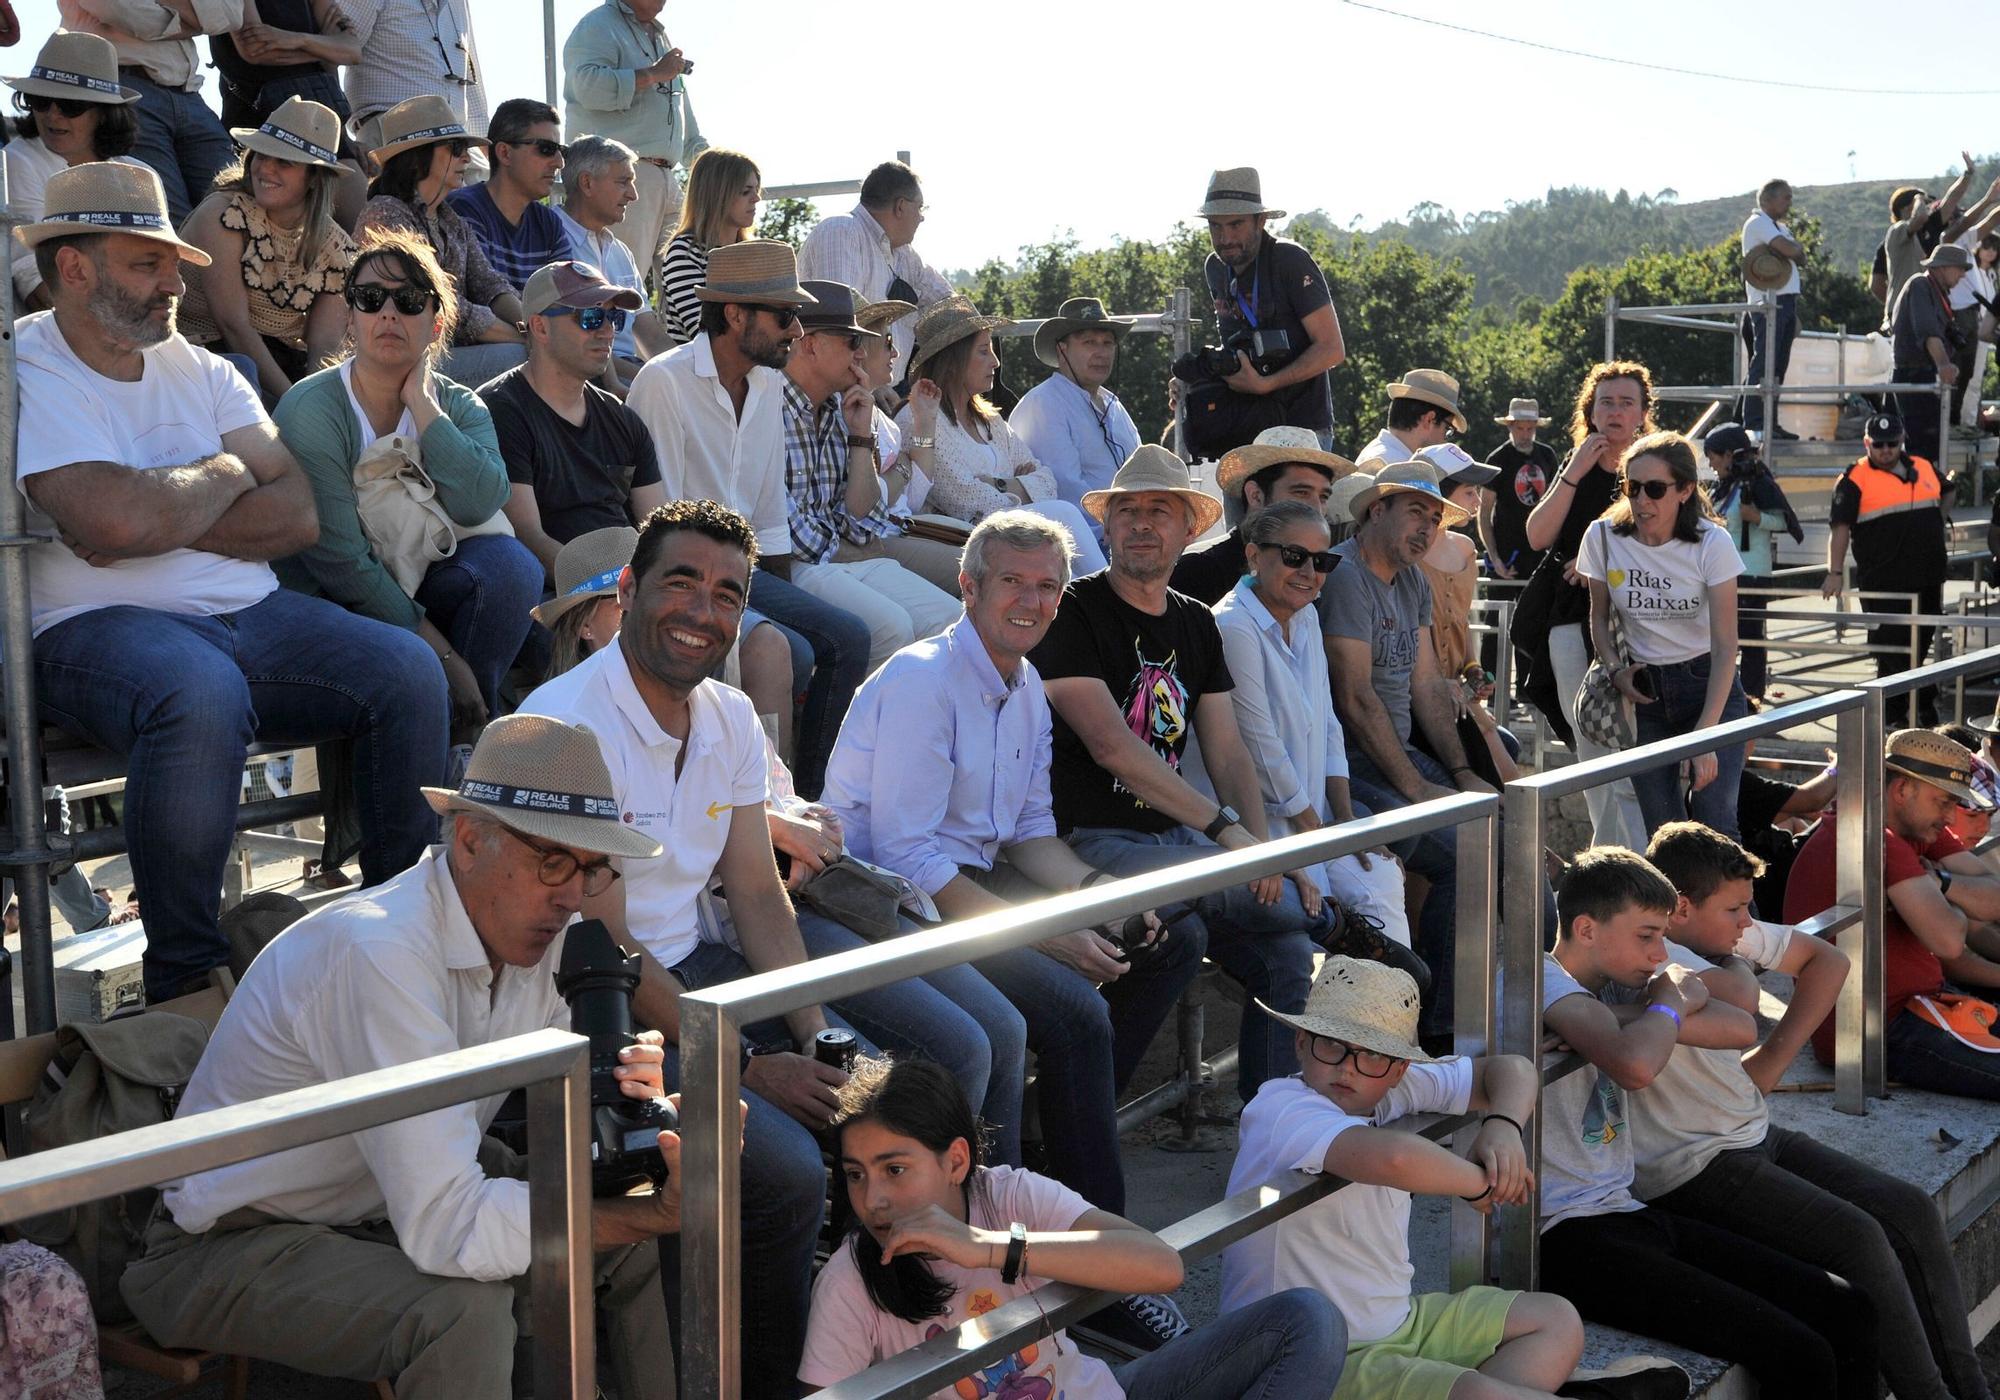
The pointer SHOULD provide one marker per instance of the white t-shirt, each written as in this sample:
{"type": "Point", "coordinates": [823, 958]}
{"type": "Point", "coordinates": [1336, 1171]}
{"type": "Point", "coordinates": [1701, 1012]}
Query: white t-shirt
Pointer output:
{"type": "Point", "coordinates": [1353, 1246]}
{"type": "Point", "coordinates": [847, 1333]}
{"type": "Point", "coordinates": [688, 813]}
{"type": "Point", "coordinates": [176, 413]}
{"type": "Point", "coordinates": [1661, 589]}
{"type": "Point", "coordinates": [1586, 1144]}
{"type": "Point", "coordinates": [1760, 228]}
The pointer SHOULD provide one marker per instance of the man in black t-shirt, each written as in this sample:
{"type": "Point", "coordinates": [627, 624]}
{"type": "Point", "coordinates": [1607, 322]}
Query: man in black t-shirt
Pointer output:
{"type": "Point", "coordinates": [1134, 670]}
{"type": "Point", "coordinates": [578, 458]}
{"type": "Point", "coordinates": [1527, 466]}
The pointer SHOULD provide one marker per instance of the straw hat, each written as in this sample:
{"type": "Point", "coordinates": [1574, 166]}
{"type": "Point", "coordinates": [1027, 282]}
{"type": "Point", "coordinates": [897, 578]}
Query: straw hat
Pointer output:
{"type": "Point", "coordinates": [1522, 411]}
{"type": "Point", "coordinates": [544, 778]}
{"type": "Point", "coordinates": [574, 284]}
{"type": "Point", "coordinates": [587, 568]}
{"type": "Point", "coordinates": [1273, 446]}
{"type": "Point", "coordinates": [76, 68]}
{"type": "Point", "coordinates": [875, 317]}
{"type": "Point", "coordinates": [424, 120]}
{"type": "Point", "coordinates": [1420, 478]}
{"type": "Point", "coordinates": [1457, 467]}
{"type": "Point", "coordinates": [1340, 505]}
{"type": "Point", "coordinates": [106, 196]}
{"type": "Point", "coordinates": [1370, 1005]}
{"type": "Point", "coordinates": [301, 130]}
{"type": "Point", "coordinates": [1934, 759]}
{"type": "Point", "coordinates": [945, 323]}
{"type": "Point", "coordinates": [831, 309]}
{"type": "Point", "coordinates": [1077, 314]}
{"type": "Point", "coordinates": [1948, 255]}
{"type": "Point", "coordinates": [759, 270]}
{"type": "Point", "coordinates": [1232, 192]}
{"type": "Point", "coordinates": [1989, 725]}
{"type": "Point", "coordinates": [1431, 386]}
{"type": "Point", "coordinates": [1153, 468]}
{"type": "Point", "coordinates": [1766, 270]}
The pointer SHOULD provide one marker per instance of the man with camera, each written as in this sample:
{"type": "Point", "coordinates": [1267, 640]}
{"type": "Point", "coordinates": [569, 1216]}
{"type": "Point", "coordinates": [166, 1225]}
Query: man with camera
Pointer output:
{"type": "Point", "coordinates": [1279, 330]}
{"type": "Point", "coordinates": [398, 1252]}
{"type": "Point", "coordinates": [1755, 509]}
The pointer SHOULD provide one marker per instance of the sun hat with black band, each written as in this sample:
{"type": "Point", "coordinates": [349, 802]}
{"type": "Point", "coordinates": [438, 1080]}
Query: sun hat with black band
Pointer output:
{"type": "Point", "coordinates": [76, 67]}
{"type": "Point", "coordinates": [831, 309]}
{"type": "Point", "coordinates": [587, 568]}
{"type": "Point", "coordinates": [299, 130]}
{"type": "Point", "coordinates": [1369, 1005]}
{"type": "Point", "coordinates": [423, 120]}
{"type": "Point", "coordinates": [1153, 468]}
{"type": "Point", "coordinates": [106, 196]}
{"type": "Point", "coordinates": [1077, 314]}
{"type": "Point", "coordinates": [1234, 192]}
{"type": "Point", "coordinates": [944, 323]}
{"type": "Point", "coordinates": [1420, 478]}
{"type": "Point", "coordinates": [547, 779]}
{"type": "Point", "coordinates": [757, 271]}
{"type": "Point", "coordinates": [1274, 447]}
{"type": "Point", "coordinates": [1434, 387]}
{"type": "Point", "coordinates": [1934, 759]}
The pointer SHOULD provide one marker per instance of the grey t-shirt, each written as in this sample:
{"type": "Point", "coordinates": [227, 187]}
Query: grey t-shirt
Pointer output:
{"type": "Point", "coordinates": [1587, 1158]}
{"type": "Point", "coordinates": [1388, 616]}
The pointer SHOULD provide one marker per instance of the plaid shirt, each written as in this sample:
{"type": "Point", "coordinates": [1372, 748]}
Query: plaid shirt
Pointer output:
{"type": "Point", "coordinates": [816, 480]}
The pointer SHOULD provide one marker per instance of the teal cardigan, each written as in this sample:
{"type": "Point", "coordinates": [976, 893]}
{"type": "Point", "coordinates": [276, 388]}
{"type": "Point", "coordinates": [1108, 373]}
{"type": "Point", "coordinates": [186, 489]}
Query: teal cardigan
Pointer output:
{"type": "Point", "coordinates": [461, 454]}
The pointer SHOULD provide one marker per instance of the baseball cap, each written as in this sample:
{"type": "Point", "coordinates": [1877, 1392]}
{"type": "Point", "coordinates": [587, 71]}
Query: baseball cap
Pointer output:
{"type": "Point", "coordinates": [1457, 467]}
{"type": "Point", "coordinates": [1884, 427]}
{"type": "Point", "coordinates": [574, 284]}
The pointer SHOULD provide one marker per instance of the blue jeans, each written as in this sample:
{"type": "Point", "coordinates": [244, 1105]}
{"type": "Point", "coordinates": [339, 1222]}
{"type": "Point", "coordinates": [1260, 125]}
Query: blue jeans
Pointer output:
{"type": "Point", "coordinates": [953, 1017]}
{"type": "Point", "coordinates": [479, 598]}
{"type": "Point", "coordinates": [182, 697]}
{"type": "Point", "coordinates": [1289, 1346]}
{"type": "Point", "coordinates": [1268, 948]}
{"type": "Point", "coordinates": [1682, 689]}
{"type": "Point", "coordinates": [181, 139]}
{"type": "Point", "coordinates": [1925, 1057]}
{"type": "Point", "coordinates": [1788, 331]}
{"type": "Point", "coordinates": [839, 642]}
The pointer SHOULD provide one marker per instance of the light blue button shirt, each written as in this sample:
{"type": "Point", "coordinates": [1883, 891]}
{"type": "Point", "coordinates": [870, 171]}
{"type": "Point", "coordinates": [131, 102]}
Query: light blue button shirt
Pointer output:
{"type": "Point", "coordinates": [602, 95]}
{"type": "Point", "coordinates": [604, 252]}
{"type": "Point", "coordinates": [1063, 430]}
{"type": "Point", "coordinates": [940, 763]}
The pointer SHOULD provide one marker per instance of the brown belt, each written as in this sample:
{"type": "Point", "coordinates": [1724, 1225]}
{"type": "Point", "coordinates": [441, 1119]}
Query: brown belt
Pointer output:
{"type": "Point", "coordinates": [660, 161]}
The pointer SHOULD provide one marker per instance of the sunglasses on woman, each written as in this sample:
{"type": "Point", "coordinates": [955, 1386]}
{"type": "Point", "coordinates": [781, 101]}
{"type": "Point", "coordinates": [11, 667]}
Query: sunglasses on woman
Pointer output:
{"type": "Point", "coordinates": [1295, 557]}
{"type": "Point", "coordinates": [1655, 490]}
{"type": "Point", "coordinates": [459, 148]}
{"type": "Point", "coordinates": [592, 318]}
{"type": "Point", "coordinates": [369, 298]}
{"type": "Point", "coordinates": [69, 107]}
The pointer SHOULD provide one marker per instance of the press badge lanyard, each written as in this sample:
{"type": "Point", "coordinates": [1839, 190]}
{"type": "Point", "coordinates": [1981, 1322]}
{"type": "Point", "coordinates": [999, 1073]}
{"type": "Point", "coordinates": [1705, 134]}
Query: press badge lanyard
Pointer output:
{"type": "Point", "coordinates": [1248, 308]}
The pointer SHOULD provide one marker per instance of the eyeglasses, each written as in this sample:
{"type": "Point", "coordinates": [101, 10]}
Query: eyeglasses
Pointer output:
{"type": "Point", "coordinates": [559, 867]}
{"type": "Point", "coordinates": [69, 107]}
{"type": "Point", "coordinates": [592, 318]}
{"type": "Point", "coordinates": [459, 148]}
{"type": "Point", "coordinates": [1295, 558]}
{"type": "Point", "coordinates": [853, 341]}
{"type": "Point", "coordinates": [369, 298]}
{"type": "Point", "coordinates": [1655, 490]}
{"type": "Point", "coordinates": [783, 315]}
{"type": "Point", "coordinates": [1372, 1064]}
{"type": "Point", "coordinates": [544, 147]}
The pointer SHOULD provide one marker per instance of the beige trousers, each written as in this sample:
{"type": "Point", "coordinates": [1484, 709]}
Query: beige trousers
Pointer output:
{"type": "Point", "coordinates": [649, 220]}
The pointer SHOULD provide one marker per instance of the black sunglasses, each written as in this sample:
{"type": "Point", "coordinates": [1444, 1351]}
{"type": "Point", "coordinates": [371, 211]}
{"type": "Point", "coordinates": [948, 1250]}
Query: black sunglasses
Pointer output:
{"type": "Point", "coordinates": [1295, 557]}
{"type": "Point", "coordinates": [369, 298]}
{"type": "Point", "coordinates": [459, 148]}
{"type": "Point", "coordinates": [783, 315]}
{"type": "Point", "coordinates": [544, 147]}
{"type": "Point", "coordinates": [1655, 490]}
{"type": "Point", "coordinates": [69, 107]}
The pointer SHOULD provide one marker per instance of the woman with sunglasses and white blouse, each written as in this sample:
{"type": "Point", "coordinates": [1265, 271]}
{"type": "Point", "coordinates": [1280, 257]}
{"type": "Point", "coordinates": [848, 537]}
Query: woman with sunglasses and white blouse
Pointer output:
{"type": "Point", "coordinates": [1660, 559]}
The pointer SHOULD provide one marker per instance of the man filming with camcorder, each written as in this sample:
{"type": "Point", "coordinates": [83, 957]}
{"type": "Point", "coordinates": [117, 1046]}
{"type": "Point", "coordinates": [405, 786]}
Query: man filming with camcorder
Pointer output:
{"type": "Point", "coordinates": [399, 1252]}
{"type": "Point", "coordinates": [1275, 318]}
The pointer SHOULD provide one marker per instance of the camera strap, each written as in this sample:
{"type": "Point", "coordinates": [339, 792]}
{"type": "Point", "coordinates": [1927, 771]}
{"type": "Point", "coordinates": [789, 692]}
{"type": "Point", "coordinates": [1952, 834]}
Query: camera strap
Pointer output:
{"type": "Point", "coordinates": [1248, 308]}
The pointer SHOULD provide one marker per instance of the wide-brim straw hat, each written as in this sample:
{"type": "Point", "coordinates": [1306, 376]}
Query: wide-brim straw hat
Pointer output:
{"type": "Point", "coordinates": [757, 271]}
{"type": "Point", "coordinates": [1989, 725]}
{"type": "Point", "coordinates": [301, 130]}
{"type": "Point", "coordinates": [424, 120]}
{"type": "Point", "coordinates": [1153, 468]}
{"type": "Point", "coordinates": [944, 323]}
{"type": "Point", "coordinates": [875, 317]}
{"type": "Point", "coordinates": [1522, 411]}
{"type": "Point", "coordinates": [1272, 447]}
{"type": "Point", "coordinates": [1077, 314]}
{"type": "Point", "coordinates": [75, 67]}
{"type": "Point", "coordinates": [1431, 386]}
{"type": "Point", "coordinates": [1419, 478]}
{"type": "Point", "coordinates": [1369, 1005]}
{"type": "Point", "coordinates": [1233, 192]}
{"type": "Point", "coordinates": [1456, 466]}
{"type": "Point", "coordinates": [1948, 255]}
{"type": "Point", "coordinates": [545, 778]}
{"type": "Point", "coordinates": [106, 196]}
{"type": "Point", "coordinates": [587, 568]}
{"type": "Point", "coordinates": [1340, 505]}
{"type": "Point", "coordinates": [1934, 759]}
{"type": "Point", "coordinates": [1765, 269]}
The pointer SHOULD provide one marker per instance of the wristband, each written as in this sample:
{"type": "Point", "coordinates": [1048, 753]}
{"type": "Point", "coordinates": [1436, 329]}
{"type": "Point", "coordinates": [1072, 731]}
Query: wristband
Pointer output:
{"type": "Point", "coordinates": [1475, 1200]}
{"type": "Point", "coordinates": [1504, 1119]}
{"type": "Point", "coordinates": [1944, 880]}
{"type": "Point", "coordinates": [1017, 1252]}
{"type": "Point", "coordinates": [914, 442]}
{"type": "Point", "coordinates": [1665, 1010]}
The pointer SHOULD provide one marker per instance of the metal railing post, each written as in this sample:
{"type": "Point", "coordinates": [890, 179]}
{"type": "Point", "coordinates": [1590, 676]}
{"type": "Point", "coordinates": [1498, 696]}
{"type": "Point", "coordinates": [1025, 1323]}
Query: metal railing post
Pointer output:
{"type": "Point", "coordinates": [1503, 662]}
{"type": "Point", "coordinates": [711, 1197]}
{"type": "Point", "coordinates": [1183, 313]}
{"type": "Point", "coordinates": [1473, 954]}
{"type": "Point", "coordinates": [1522, 938]}
{"type": "Point", "coordinates": [1858, 1061]}
{"type": "Point", "coordinates": [560, 1266]}
{"type": "Point", "coordinates": [1944, 438]}
{"type": "Point", "coordinates": [1768, 388]}
{"type": "Point", "coordinates": [1610, 328]}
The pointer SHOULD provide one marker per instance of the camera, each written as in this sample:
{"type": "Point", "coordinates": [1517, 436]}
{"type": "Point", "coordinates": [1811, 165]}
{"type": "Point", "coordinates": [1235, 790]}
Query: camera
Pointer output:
{"type": "Point", "coordinates": [598, 981]}
{"type": "Point", "coordinates": [687, 66]}
{"type": "Point", "coordinates": [1269, 351]}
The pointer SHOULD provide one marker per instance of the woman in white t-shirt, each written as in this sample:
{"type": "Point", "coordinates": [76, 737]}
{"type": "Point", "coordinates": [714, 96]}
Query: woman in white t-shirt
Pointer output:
{"type": "Point", "coordinates": [936, 1240]}
{"type": "Point", "coordinates": [1659, 558]}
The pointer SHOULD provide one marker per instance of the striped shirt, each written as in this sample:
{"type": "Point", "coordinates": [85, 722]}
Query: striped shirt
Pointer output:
{"type": "Point", "coordinates": [684, 268]}
{"type": "Point", "coordinates": [816, 480]}
{"type": "Point", "coordinates": [516, 251]}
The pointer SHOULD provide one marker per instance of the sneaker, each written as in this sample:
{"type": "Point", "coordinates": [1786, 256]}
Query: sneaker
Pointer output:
{"type": "Point", "coordinates": [1360, 935]}
{"type": "Point", "coordinates": [1784, 435]}
{"type": "Point", "coordinates": [1631, 1378]}
{"type": "Point", "coordinates": [1133, 1325]}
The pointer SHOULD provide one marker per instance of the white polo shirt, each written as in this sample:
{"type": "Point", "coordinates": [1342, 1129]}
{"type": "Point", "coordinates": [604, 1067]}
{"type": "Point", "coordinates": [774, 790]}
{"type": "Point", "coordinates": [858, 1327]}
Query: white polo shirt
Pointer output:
{"type": "Point", "coordinates": [687, 813]}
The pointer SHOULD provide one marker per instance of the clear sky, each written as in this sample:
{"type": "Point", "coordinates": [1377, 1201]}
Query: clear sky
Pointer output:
{"type": "Point", "coordinates": [1033, 117]}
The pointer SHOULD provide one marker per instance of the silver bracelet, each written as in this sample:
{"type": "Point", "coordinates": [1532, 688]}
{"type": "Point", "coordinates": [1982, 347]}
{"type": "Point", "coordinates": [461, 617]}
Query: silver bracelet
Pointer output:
{"type": "Point", "coordinates": [915, 442]}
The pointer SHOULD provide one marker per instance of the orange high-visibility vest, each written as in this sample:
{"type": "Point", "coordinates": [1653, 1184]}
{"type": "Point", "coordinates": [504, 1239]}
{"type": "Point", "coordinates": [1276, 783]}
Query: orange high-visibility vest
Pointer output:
{"type": "Point", "coordinates": [1885, 493]}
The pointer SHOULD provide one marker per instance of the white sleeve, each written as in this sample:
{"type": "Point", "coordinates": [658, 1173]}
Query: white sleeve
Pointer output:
{"type": "Point", "coordinates": [1591, 555]}
{"type": "Point", "coordinates": [1764, 944]}
{"type": "Point", "coordinates": [236, 403]}
{"type": "Point", "coordinates": [1719, 560]}
{"type": "Point", "coordinates": [1443, 1087]}
{"type": "Point", "coordinates": [1760, 228]}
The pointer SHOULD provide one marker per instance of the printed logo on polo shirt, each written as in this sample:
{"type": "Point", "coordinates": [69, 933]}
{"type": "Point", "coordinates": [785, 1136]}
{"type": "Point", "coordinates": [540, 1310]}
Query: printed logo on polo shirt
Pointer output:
{"type": "Point", "coordinates": [1642, 593]}
{"type": "Point", "coordinates": [643, 818]}
{"type": "Point", "coordinates": [716, 809]}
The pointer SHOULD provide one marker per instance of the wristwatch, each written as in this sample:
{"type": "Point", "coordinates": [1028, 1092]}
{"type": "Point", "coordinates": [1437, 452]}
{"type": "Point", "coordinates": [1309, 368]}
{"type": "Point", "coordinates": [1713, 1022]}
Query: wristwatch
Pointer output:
{"type": "Point", "coordinates": [1225, 818]}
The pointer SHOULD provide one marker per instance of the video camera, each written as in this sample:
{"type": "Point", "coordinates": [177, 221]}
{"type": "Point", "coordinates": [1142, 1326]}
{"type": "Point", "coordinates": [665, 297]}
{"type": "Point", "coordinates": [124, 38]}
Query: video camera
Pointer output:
{"type": "Point", "coordinates": [1270, 350]}
{"type": "Point", "coordinates": [598, 982]}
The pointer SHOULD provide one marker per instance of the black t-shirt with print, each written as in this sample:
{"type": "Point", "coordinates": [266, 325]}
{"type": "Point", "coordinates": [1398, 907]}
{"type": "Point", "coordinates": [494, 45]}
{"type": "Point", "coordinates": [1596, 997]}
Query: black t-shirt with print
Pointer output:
{"type": "Point", "coordinates": [1156, 668]}
{"type": "Point", "coordinates": [1524, 479]}
{"type": "Point", "coordinates": [582, 477]}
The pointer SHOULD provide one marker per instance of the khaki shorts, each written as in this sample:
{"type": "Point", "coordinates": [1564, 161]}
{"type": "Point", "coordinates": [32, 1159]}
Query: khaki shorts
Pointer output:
{"type": "Point", "coordinates": [1445, 1335]}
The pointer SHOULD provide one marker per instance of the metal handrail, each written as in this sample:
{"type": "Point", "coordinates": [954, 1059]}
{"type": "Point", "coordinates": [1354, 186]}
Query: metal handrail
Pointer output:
{"type": "Point", "coordinates": [550, 1064]}
{"type": "Point", "coordinates": [710, 1020]}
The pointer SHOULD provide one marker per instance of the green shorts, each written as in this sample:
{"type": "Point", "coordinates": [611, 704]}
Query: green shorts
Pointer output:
{"type": "Point", "coordinates": [1445, 1335]}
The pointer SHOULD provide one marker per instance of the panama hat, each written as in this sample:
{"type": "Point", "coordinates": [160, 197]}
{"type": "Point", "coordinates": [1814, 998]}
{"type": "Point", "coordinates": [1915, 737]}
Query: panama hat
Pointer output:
{"type": "Point", "coordinates": [1765, 269]}
{"type": "Point", "coordinates": [1934, 759]}
{"type": "Point", "coordinates": [301, 130]}
{"type": "Point", "coordinates": [945, 323]}
{"type": "Point", "coordinates": [1948, 255]}
{"type": "Point", "coordinates": [587, 568]}
{"type": "Point", "coordinates": [1522, 411]}
{"type": "Point", "coordinates": [831, 309]}
{"type": "Point", "coordinates": [1370, 1005]}
{"type": "Point", "coordinates": [1153, 468]}
{"type": "Point", "coordinates": [106, 196]}
{"type": "Point", "coordinates": [544, 778]}
{"type": "Point", "coordinates": [423, 120]}
{"type": "Point", "coordinates": [76, 67]}
{"type": "Point", "coordinates": [1457, 467]}
{"type": "Point", "coordinates": [1076, 314]}
{"type": "Point", "coordinates": [875, 317]}
{"type": "Point", "coordinates": [1431, 386]}
{"type": "Point", "coordinates": [756, 271]}
{"type": "Point", "coordinates": [1273, 446]}
{"type": "Point", "coordinates": [1340, 505]}
{"type": "Point", "coordinates": [1420, 478]}
{"type": "Point", "coordinates": [1233, 192]}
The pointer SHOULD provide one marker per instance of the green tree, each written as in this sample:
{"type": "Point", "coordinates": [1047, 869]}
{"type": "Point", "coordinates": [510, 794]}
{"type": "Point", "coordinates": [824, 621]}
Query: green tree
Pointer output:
{"type": "Point", "coordinates": [787, 220]}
